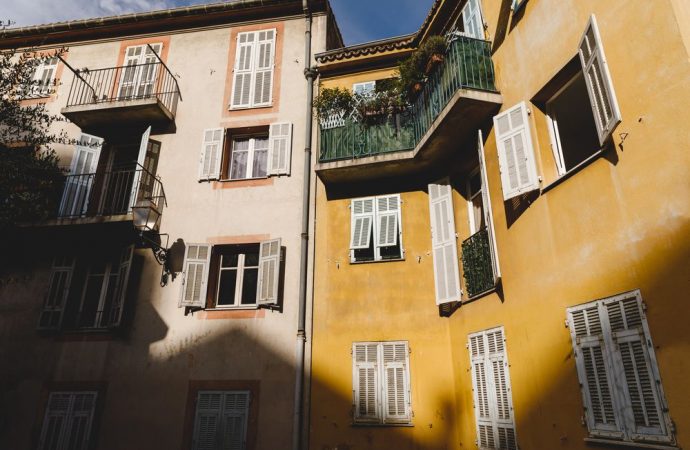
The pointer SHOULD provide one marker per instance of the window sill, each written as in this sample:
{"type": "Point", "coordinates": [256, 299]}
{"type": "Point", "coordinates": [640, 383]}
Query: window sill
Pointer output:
{"type": "Point", "coordinates": [241, 183]}
{"type": "Point", "coordinates": [628, 444]}
{"type": "Point", "coordinates": [235, 313]}
{"type": "Point", "coordinates": [373, 261]}
{"type": "Point", "coordinates": [379, 425]}
{"type": "Point", "coordinates": [572, 171]}
{"type": "Point", "coordinates": [480, 295]}
{"type": "Point", "coordinates": [243, 108]}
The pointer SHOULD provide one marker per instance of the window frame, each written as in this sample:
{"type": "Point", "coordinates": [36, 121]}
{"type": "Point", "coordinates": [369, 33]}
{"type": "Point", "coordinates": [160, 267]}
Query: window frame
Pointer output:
{"type": "Point", "coordinates": [623, 429]}
{"type": "Point", "coordinates": [476, 172]}
{"type": "Point", "coordinates": [216, 270]}
{"type": "Point", "coordinates": [381, 386]}
{"type": "Point", "coordinates": [38, 89]}
{"type": "Point", "coordinates": [69, 416]}
{"type": "Point", "coordinates": [226, 169]}
{"type": "Point", "coordinates": [375, 215]}
{"type": "Point", "coordinates": [365, 89]}
{"type": "Point", "coordinates": [254, 69]}
{"type": "Point", "coordinates": [223, 411]}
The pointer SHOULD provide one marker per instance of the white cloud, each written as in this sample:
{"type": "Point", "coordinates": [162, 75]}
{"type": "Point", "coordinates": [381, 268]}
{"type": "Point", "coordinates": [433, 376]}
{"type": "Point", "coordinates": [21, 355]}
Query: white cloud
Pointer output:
{"type": "Point", "coordinates": [35, 12]}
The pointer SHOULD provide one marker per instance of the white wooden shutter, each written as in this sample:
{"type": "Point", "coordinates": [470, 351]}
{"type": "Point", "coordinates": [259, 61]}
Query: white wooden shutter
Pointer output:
{"type": "Point", "coordinates": [515, 152]}
{"type": "Point", "coordinates": [207, 422]}
{"type": "Point", "coordinates": [602, 96]}
{"type": "Point", "coordinates": [211, 154]}
{"type": "Point", "coordinates": [396, 382]}
{"type": "Point", "coordinates": [587, 331]}
{"type": "Point", "coordinates": [115, 315]}
{"type": "Point", "coordinates": [263, 67]}
{"type": "Point", "coordinates": [444, 247]}
{"type": "Point", "coordinates": [361, 222]}
{"type": "Point", "coordinates": [244, 68]}
{"type": "Point", "coordinates": [140, 176]}
{"type": "Point", "coordinates": [195, 275]}
{"type": "Point", "coordinates": [387, 218]}
{"type": "Point", "coordinates": [633, 353]}
{"type": "Point", "coordinates": [68, 420]}
{"type": "Point", "coordinates": [279, 148]}
{"type": "Point", "coordinates": [58, 290]}
{"type": "Point", "coordinates": [269, 272]}
{"type": "Point", "coordinates": [365, 389]}
{"type": "Point", "coordinates": [493, 401]}
{"type": "Point", "coordinates": [488, 212]}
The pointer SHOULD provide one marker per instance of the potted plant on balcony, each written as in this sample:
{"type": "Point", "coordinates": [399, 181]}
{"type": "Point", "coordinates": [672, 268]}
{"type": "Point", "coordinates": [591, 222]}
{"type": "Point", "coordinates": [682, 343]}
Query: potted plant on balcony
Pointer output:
{"type": "Point", "coordinates": [333, 104]}
{"type": "Point", "coordinates": [411, 74]}
{"type": "Point", "coordinates": [433, 51]}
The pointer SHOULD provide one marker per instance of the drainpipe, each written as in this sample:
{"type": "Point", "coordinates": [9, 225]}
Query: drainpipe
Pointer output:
{"type": "Point", "coordinates": [309, 74]}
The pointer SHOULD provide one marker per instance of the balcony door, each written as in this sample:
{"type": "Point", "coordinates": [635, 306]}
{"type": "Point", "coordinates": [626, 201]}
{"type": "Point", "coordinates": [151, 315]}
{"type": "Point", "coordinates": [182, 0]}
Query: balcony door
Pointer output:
{"type": "Point", "coordinates": [144, 189]}
{"type": "Point", "coordinates": [139, 74]}
{"type": "Point", "coordinates": [78, 185]}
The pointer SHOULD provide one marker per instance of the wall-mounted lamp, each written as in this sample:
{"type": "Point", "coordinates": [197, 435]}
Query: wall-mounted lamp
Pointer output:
{"type": "Point", "coordinates": [146, 218]}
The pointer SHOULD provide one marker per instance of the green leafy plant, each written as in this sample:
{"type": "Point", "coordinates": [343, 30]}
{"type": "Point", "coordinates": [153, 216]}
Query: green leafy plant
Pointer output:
{"type": "Point", "coordinates": [414, 69]}
{"type": "Point", "coordinates": [332, 102]}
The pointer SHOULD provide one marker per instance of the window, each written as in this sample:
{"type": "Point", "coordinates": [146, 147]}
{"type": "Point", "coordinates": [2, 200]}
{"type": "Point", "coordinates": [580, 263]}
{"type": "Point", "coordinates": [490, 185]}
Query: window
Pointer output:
{"type": "Point", "coordinates": [220, 420]}
{"type": "Point", "coordinates": [43, 80]}
{"type": "Point", "coordinates": [138, 77]}
{"type": "Point", "coordinates": [87, 293]}
{"type": "Point", "coordinates": [443, 240]}
{"type": "Point", "coordinates": [381, 382]}
{"type": "Point", "coordinates": [493, 400]}
{"type": "Point", "coordinates": [365, 88]}
{"type": "Point", "coordinates": [68, 421]}
{"type": "Point", "coordinates": [253, 71]}
{"type": "Point", "coordinates": [515, 152]}
{"type": "Point", "coordinates": [617, 368]}
{"type": "Point", "coordinates": [470, 22]}
{"type": "Point", "coordinates": [255, 152]}
{"type": "Point", "coordinates": [475, 201]}
{"type": "Point", "coordinates": [231, 276]}
{"type": "Point", "coordinates": [376, 229]}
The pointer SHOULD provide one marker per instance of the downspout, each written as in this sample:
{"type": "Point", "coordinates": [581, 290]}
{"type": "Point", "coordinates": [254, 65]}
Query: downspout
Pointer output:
{"type": "Point", "coordinates": [309, 74]}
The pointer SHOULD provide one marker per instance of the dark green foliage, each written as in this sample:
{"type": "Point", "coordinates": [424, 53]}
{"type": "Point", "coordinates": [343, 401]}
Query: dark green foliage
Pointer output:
{"type": "Point", "coordinates": [476, 263]}
{"type": "Point", "coordinates": [412, 70]}
{"type": "Point", "coordinates": [333, 101]}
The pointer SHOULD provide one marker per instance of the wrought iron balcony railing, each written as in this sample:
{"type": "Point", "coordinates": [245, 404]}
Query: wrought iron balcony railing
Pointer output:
{"type": "Point", "coordinates": [477, 265]}
{"type": "Point", "coordinates": [110, 193]}
{"type": "Point", "coordinates": [124, 83]}
{"type": "Point", "coordinates": [467, 65]}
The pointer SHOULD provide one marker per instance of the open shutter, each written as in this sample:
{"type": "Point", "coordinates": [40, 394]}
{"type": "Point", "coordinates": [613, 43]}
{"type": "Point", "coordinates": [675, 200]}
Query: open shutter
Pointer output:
{"type": "Point", "coordinates": [640, 380]}
{"type": "Point", "coordinates": [263, 67]}
{"type": "Point", "coordinates": [387, 215]}
{"type": "Point", "coordinates": [269, 272]}
{"type": "Point", "coordinates": [75, 196]}
{"type": "Point", "coordinates": [515, 152]}
{"type": "Point", "coordinates": [365, 381]}
{"type": "Point", "coordinates": [396, 389]}
{"type": "Point", "coordinates": [211, 153]}
{"type": "Point", "coordinates": [195, 277]}
{"type": "Point", "coordinates": [361, 222]}
{"type": "Point", "coordinates": [139, 174]}
{"type": "Point", "coordinates": [602, 96]}
{"type": "Point", "coordinates": [279, 148]}
{"type": "Point", "coordinates": [444, 247]}
{"type": "Point", "coordinates": [488, 212]}
{"type": "Point", "coordinates": [207, 423]}
{"type": "Point", "coordinates": [54, 304]}
{"type": "Point", "coordinates": [587, 332]}
{"type": "Point", "coordinates": [115, 316]}
{"type": "Point", "coordinates": [244, 67]}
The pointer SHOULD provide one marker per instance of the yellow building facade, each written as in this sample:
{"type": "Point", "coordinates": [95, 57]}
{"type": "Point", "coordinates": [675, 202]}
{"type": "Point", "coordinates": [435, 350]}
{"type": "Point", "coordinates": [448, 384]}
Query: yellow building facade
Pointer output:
{"type": "Point", "coordinates": [555, 318]}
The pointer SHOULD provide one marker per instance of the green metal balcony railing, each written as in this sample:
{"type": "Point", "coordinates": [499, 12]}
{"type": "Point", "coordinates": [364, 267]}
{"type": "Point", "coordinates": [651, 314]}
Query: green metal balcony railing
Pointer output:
{"type": "Point", "coordinates": [467, 65]}
{"type": "Point", "coordinates": [477, 266]}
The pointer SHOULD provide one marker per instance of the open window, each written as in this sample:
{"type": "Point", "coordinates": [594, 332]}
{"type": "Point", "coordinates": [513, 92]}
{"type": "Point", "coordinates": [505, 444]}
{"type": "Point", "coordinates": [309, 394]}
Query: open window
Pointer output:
{"type": "Point", "coordinates": [236, 276]}
{"type": "Point", "coordinates": [375, 229]}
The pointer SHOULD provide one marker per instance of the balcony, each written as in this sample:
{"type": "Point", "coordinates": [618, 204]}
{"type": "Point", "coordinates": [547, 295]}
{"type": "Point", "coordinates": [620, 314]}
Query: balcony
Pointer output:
{"type": "Point", "coordinates": [129, 95]}
{"type": "Point", "coordinates": [455, 100]}
{"type": "Point", "coordinates": [109, 196]}
{"type": "Point", "coordinates": [477, 264]}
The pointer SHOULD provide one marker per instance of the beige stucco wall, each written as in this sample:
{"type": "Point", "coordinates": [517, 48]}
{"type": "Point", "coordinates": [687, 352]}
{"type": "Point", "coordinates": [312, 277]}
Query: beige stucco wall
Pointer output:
{"type": "Point", "coordinates": [147, 372]}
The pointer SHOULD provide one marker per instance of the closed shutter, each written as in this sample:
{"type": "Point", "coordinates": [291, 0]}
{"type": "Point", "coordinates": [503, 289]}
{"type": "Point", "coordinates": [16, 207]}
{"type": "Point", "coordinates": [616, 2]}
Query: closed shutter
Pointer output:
{"type": "Point", "coordinates": [641, 384]}
{"type": "Point", "coordinates": [235, 415]}
{"type": "Point", "coordinates": [396, 391]}
{"type": "Point", "coordinates": [207, 423]}
{"type": "Point", "coordinates": [279, 148]}
{"type": "Point", "coordinates": [444, 247]}
{"type": "Point", "coordinates": [244, 67]}
{"type": "Point", "coordinates": [115, 315]}
{"type": "Point", "coordinates": [387, 215]}
{"type": "Point", "coordinates": [211, 154]}
{"type": "Point", "coordinates": [68, 420]}
{"type": "Point", "coordinates": [587, 332]}
{"type": "Point", "coordinates": [365, 381]}
{"type": "Point", "coordinates": [269, 272]}
{"type": "Point", "coordinates": [488, 212]}
{"type": "Point", "coordinates": [195, 276]}
{"type": "Point", "coordinates": [602, 96]}
{"type": "Point", "coordinates": [515, 152]}
{"type": "Point", "coordinates": [58, 290]}
{"type": "Point", "coordinates": [263, 67]}
{"type": "Point", "coordinates": [492, 393]}
{"type": "Point", "coordinates": [361, 222]}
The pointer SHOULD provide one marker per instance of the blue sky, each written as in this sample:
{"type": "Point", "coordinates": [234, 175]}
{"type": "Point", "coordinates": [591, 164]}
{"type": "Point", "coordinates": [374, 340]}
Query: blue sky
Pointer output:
{"type": "Point", "coordinates": [359, 20]}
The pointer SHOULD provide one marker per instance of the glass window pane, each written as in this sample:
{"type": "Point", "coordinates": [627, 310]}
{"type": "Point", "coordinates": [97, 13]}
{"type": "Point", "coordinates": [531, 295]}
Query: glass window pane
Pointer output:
{"type": "Point", "coordinates": [229, 260]}
{"type": "Point", "coordinates": [238, 167]}
{"type": "Point", "coordinates": [251, 277]}
{"type": "Point", "coordinates": [259, 167]}
{"type": "Point", "coordinates": [226, 287]}
{"type": "Point", "coordinates": [251, 259]}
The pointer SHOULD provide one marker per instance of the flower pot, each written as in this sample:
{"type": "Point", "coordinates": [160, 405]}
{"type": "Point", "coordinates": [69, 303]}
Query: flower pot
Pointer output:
{"type": "Point", "coordinates": [434, 61]}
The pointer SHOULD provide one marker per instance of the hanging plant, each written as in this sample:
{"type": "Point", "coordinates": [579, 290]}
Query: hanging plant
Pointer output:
{"type": "Point", "coordinates": [434, 50]}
